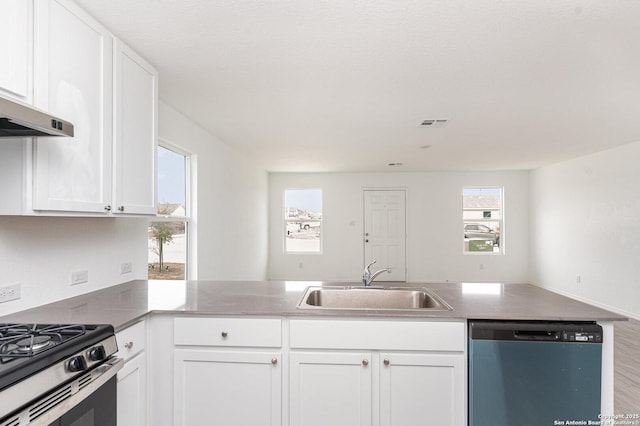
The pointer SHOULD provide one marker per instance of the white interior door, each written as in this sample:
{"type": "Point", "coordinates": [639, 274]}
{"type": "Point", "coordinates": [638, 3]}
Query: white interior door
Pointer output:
{"type": "Point", "coordinates": [385, 232]}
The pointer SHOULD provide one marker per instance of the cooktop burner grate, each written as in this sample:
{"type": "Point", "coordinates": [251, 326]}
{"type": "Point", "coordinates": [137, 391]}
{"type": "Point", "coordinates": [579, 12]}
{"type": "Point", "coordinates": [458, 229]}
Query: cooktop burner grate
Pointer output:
{"type": "Point", "coordinates": [26, 340]}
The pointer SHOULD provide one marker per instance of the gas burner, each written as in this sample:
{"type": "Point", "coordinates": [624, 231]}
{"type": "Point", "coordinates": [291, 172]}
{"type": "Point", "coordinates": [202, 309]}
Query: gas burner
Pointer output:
{"type": "Point", "coordinates": [26, 340]}
{"type": "Point", "coordinates": [34, 344]}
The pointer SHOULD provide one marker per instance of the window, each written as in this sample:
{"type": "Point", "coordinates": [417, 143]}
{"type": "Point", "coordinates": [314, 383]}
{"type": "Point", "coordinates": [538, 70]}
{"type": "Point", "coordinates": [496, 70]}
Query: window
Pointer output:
{"type": "Point", "coordinates": [303, 220]}
{"type": "Point", "coordinates": [168, 233]}
{"type": "Point", "coordinates": [482, 217]}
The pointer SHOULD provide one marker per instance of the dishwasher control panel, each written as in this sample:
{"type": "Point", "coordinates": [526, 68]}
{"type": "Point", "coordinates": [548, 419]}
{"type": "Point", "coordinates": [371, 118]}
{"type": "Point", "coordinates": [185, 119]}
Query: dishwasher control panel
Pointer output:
{"type": "Point", "coordinates": [582, 336]}
{"type": "Point", "coordinates": [536, 331]}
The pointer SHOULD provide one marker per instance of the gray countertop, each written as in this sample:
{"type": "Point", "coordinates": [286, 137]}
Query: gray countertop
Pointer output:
{"type": "Point", "coordinates": [123, 304]}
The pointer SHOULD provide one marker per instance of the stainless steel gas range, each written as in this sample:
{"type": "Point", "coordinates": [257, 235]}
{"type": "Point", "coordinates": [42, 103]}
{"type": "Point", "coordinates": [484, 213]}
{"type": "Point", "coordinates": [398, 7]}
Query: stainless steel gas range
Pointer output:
{"type": "Point", "coordinates": [58, 375]}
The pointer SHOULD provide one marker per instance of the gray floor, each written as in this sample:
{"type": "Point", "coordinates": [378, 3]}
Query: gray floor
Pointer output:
{"type": "Point", "coordinates": [627, 367]}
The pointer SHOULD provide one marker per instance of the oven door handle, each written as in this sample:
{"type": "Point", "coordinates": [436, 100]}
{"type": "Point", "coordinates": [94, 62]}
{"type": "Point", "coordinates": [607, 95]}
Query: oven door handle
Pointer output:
{"type": "Point", "coordinates": [100, 375]}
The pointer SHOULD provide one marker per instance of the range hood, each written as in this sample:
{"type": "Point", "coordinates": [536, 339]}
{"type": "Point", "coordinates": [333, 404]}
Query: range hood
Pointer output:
{"type": "Point", "coordinates": [21, 120]}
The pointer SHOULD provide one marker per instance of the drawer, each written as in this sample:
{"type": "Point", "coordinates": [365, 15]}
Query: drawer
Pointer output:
{"type": "Point", "coordinates": [228, 332]}
{"type": "Point", "coordinates": [132, 340]}
{"type": "Point", "coordinates": [382, 335]}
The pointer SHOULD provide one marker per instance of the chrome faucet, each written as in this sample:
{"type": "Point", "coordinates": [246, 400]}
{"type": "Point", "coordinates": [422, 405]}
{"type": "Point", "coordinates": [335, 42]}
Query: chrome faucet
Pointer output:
{"type": "Point", "coordinates": [368, 277]}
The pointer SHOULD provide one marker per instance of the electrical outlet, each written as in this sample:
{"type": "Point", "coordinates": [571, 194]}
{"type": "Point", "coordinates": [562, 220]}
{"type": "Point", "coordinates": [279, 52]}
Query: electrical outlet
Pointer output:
{"type": "Point", "coordinates": [578, 279]}
{"type": "Point", "coordinates": [126, 268]}
{"type": "Point", "coordinates": [10, 292]}
{"type": "Point", "coordinates": [79, 277]}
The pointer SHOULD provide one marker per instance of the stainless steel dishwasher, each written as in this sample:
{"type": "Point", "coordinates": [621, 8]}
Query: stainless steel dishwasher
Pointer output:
{"type": "Point", "coordinates": [534, 373]}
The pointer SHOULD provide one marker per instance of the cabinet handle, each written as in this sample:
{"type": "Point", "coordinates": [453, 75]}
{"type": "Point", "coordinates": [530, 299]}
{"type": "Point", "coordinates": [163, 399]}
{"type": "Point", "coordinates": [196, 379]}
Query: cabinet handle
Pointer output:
{"type": "Point", "coordinates": [274, 361]}
{"type": "Point", "coordinates": [107, 208]}
{"type": "Point", "coordinates": [386, 361]}
{"type": "Point", "coordinates": [365, 362]}
{"type": "Point", "coordinates": [224, 334]}
{"type": "Point", "coordinates": [128, 345]}
{"type": "Point", "coordinates": [121, 208]}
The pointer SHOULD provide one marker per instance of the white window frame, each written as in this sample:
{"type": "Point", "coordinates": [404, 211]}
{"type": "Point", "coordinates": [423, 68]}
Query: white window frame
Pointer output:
{"type": "Point", "coordinates": [187, 208]}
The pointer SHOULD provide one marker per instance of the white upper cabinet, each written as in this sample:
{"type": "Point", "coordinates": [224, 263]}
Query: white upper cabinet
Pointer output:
{"type": "Point", "coordinates": [16, 49]}
{"type": "Point", "coordinates": [135, 132]}
{"type": "Point", "coordinates": [60, 59]}
{"type": "Point", "coordinates": [73, 80]}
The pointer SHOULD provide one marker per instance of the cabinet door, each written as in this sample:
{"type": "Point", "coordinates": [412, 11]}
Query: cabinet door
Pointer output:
{"type": "Point", "coordinates": [132, 392]}
{"type": "Point", "coordinates": [135, 132]}
{"type": "Point", "coordinates": [16, 49]}
{"type": "Point", "coordinates": [330, 389]}
{"type": "Point", "coordinates": [73, 80]}
{"type": "Point", "coordinates": [422, 389]}
{"type": "Point", "coordinates": [227, 388]}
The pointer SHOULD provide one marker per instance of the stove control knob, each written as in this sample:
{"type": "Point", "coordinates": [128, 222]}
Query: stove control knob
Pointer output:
{"type": "Point", "coordinates": [97, 353]}
{"type": "Point", "coordinates": [77, 363]}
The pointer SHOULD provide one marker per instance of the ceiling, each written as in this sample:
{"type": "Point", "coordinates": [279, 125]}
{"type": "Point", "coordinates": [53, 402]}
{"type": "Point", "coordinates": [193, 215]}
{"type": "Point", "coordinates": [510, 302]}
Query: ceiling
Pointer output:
{"type": "Point", "coordinates": [343, 85]}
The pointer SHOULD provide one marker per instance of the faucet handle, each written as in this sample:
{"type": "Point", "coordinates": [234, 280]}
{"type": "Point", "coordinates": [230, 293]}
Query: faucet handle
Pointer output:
{"type": "Point", "coordinates": [366, 268]}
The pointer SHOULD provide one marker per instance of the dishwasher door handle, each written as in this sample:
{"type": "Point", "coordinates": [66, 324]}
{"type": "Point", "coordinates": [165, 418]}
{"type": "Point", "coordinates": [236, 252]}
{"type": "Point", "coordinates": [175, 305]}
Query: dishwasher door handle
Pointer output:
{"type": "Point", "coordinates": [538, 335]}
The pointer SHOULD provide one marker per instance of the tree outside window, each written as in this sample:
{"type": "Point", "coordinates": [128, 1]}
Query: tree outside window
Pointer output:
{"type": "Point", "coordinates": [168, 233]}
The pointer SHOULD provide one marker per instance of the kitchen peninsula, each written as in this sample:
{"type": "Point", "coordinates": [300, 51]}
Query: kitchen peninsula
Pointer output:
{"type": "Point", "coordinates": [254, 332]}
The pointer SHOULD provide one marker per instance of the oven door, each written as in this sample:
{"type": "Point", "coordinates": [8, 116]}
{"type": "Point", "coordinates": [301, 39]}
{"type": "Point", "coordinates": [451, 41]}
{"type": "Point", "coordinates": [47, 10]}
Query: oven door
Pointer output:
{"type": "Point", "coordinates": [88, 400]}
{"type": "Point", "coordinates": [98, 409]}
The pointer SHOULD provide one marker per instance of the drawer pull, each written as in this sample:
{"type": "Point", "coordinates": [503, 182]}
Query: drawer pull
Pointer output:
{"type": "Point", "coordinates": [365, 362]}
{"type": "Point", "coordinates": [274, 361]}
{"type": "Point", "coordinates": [386, 361]}
{"type": "Point", "coordinates": [224, 334]}
{"type": "Point", "coordinates": [128, 345]}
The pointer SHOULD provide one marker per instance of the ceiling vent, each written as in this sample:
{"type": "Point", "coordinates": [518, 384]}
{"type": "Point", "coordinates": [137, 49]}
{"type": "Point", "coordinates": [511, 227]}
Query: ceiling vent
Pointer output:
{"type": "Point", "coordinates": [438, 122]}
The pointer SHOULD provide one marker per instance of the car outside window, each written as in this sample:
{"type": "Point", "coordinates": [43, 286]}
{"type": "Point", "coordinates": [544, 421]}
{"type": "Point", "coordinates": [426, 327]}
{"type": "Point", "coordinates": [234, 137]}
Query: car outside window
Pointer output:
{"type": "Point", "coordinates": [482, 220]}
{"type": "Point", "coordinates": [303, 221]}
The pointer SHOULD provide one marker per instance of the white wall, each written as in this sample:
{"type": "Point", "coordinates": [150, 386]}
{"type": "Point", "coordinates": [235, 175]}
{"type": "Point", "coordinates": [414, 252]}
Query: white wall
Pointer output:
{"type": "Point", "coordinates": [41, 253]}
{"type": "Point", "coordinates": [230, 216]}
{"type": "Point", "coordinates": [585, 221]}
{"type": "Point", "coordinates": [434, 224]}
{"type": "Point", "coordinates": [231, 219]}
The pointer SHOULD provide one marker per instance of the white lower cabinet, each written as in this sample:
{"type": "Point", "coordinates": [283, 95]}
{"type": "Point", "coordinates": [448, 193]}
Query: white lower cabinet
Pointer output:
{"type": "Point", "coordinates": [227, 388]}
{"type": "Point", "coordinates": [422, 389]}
{"type": "Point", "coordinates": [407, 373]}
{"type": "Point", "coordinates": [313, 372]}
{"type": "Point", "coordinates": [132, 392]}
{"type": "Point", "coordinates": [329, 388]}
{"type": "Point", "coordinates": [336, 388]}
{"type": "Point", "coordinates": [227, 371]}
{"type": "Point", "coordinates": [132, 379]}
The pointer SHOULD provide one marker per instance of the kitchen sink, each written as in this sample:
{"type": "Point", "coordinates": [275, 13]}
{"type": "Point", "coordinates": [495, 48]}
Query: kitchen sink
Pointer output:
{"type": "Point", "coordinates": [375, 298]}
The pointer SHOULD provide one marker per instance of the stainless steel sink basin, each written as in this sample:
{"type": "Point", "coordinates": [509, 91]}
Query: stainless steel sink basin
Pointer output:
{"type": "Point", "coordinates": [392, 298]}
